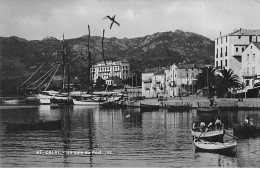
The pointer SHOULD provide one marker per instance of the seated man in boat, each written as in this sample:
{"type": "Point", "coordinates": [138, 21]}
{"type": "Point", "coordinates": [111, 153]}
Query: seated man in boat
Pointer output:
{"type": "Point", "coordinates": [218, 124]}
{"type": "Point", "coordinates": [195, 126]}
{"type": "Point", "coordinates": [246, 123]}
{"type": "Point", "coordinates": [202, 126]}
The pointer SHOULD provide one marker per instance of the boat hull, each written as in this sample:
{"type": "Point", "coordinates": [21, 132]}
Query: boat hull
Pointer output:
{"type": "Point", "coordinates": [207, 110]}
{"type": "Point", "coordinates": [87, 103]}
{"type": "Point", "coordinates": [146, 108]}
{"type": "Point", "coordinates": [178, 108]}
{"type": "Point", "coordinates": [246, 130]}
{"type": "Point", "coordinates": [33, 125]}
{"type": "Point", "coordinates": [213, 136]}
{"type": "Point", "coordinates": [207, 146]}
{"type": "Point", "coordinates": [112, 105]}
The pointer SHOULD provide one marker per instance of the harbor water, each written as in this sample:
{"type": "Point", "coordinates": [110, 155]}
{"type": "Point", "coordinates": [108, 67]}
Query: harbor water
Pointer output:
{"type": "Point", "coordinates": [97, 137]}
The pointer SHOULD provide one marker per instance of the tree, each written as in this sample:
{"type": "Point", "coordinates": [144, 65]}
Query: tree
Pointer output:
{"type": "Point", "coordinates": [206, 80]}
{"type": "Point", "coordinates": [100, 83]}
{"type": "Point", "coordinates": [226, 81]}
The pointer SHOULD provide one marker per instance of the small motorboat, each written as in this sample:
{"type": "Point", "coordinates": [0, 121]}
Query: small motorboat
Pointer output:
{"type": "Point", "coordinates": [204, 145]}
{"type": "Point", "coordinates": [146, 107]}
{"type": "Point", "coordinates": [245, 130]}
{"type": "Point", "coordinates": [214, 135]}
{"type": "Point", "coordinates": [33, 125]}
{"type": "Point", "coordinates": [207, 109]}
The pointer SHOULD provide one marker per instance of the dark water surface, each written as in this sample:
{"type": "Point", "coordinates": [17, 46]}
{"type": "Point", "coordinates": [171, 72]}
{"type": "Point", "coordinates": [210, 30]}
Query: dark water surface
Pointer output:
{"type": "Point", "coordinates": [135, 139]}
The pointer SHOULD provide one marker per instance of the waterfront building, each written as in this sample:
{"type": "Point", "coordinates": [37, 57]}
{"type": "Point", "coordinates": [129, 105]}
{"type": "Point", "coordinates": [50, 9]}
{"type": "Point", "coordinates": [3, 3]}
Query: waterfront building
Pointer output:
{"type": "Point", "coordinates": [175, 81]}
{"type": "Point", "coordinates": [229, 48]}
{"type": "Point", "coordinates": [182, 79]}
{"type": "Point", "coordinates": [250, 65]}
{"type": "Point", "coordinates": [120, 69]}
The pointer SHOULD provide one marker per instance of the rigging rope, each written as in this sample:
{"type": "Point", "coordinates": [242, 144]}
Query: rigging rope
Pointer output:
{"type": "Point", "coordinates": [41, 77]}
{"type": "Point", "coordinates": [32, 74]}
{"type": "Point", "coordinates": [52, 77]}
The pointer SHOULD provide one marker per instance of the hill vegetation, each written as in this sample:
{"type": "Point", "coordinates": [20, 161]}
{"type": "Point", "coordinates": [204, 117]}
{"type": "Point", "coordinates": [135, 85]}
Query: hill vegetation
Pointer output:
{"type": "Point", "coordinates": [19, 58]}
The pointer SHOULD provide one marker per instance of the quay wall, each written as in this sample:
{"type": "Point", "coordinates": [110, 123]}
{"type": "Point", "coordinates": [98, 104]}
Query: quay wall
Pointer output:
{"type": "Point", "coordinates": [224, 103]}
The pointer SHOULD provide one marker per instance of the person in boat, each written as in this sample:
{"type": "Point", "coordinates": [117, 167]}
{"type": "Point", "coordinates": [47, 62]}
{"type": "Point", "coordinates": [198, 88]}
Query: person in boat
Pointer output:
{"type": "Point", "coordinates": [210, 126]}
{"type": "Point", "coordinates": [246, 123]}
{"type": "Point", "coordinates": [218, 124]}
{"type": "Point", "coordinates": [195, 126]}
{"type": "Point", "coordinates": [202, 126]}
{"type": "Point", "coordinates": [212, 102]}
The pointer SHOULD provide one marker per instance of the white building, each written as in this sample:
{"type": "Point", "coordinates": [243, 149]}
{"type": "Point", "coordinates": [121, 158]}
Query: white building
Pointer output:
{"type": "Point", "coordinates": [120, 69]}
{"type": "Point", "coordinates": [175, 81]}
{"type": "Point", "coordinates": [229, 48]}
{"type": "Point", "coordinates": [250, 64]}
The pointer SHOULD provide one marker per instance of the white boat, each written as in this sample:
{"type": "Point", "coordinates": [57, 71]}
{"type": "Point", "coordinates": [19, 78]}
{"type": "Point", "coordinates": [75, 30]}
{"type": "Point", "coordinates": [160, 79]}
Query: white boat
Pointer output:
{"type": "Point", "coordinates": [215, 146]}
{"type": "Point", "coordinates": [87, 102]}
{"type": "Point", "coordinates": [212, 133]}
{"type": "Point", "coordinates": [45, 96]}
{"type": "Point", "coordinates": [14, 101]}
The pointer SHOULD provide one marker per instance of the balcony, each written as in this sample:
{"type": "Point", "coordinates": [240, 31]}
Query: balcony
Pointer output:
{"type": "Point", "coordinates": [147, 80]}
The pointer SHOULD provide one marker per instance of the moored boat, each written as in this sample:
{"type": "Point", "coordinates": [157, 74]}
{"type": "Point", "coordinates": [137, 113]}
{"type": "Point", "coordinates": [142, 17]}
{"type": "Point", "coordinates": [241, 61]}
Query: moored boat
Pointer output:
{"type": "Point", "coordinates": [178, 108]}
{"type": "Point", "coordinates": [34, 125]}
{"type": "Point", "coordinates": [146, 107]}
{"type": "Point", "coordinates": [207, 109]}
{"type": "Point", "coordinates": [12, 102]}
{"type": "Point", "coordinates": [246, 130]}
{"type": "Point", "coordinates": [87, 102]}
{"type": "Point", "coordinates": [203, 145]}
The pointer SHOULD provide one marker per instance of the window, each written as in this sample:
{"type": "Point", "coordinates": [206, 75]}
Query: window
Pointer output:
{"type": "Point", "coordinates": [217, 54]}
{"type": "Point", "coordinates": [221, 64]}
{"type": "Point", "coordinates": [253, 70]}
{"type": "Point", "coordinates": [216, 63]}
{"type": "Point", "coordinates": [217, 41]}
{"type": "Point", "coordinates": [226, 38]}
{"type": "Point", "coordinates": [253, 57]}
{"type": "Point", "coordinates": [236, 49]}
{"type": "Point", "coordinates": [239, 37]}
{"type": "Point", "coordinates": [220, 52]}
{"type": "Point", "coordinates": [226, 51]}
{"type": "Point", "coordinates": [243, 49]}
{"type": "Point", "coordinates": [247, 82]}
{"type": "Point", "coordinates": [247, 71]}
{"type": "Point", "coordinates": [247, 57]}
{"type": "Point", "coordinates": [250, 38]}
{"type": "Point", "coordinates": [221, 40]}
{"type": "Point", "coordinates": [226, 62]}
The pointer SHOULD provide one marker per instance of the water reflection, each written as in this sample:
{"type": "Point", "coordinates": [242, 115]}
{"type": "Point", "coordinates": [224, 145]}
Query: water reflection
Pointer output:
{"type": "Point", "coordinates": [136, 139]}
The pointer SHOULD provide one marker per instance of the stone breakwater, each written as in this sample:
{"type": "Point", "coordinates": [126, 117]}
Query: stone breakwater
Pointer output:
{"type": "Point", "coordinates": [196, 102]}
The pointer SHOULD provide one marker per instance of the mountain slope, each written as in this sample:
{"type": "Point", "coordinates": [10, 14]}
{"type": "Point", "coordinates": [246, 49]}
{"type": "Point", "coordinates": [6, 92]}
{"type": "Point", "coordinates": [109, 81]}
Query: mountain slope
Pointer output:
{"type": "Point", "coordinates": [20, 57]}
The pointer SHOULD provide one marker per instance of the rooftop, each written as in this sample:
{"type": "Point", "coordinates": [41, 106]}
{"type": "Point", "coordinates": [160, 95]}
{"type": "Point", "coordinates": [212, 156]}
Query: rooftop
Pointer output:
{"type": "Point", "coordinates": [242, 31]}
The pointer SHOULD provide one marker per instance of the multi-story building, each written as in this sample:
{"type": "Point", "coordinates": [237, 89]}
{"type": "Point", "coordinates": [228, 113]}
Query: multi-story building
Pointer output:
{"type": "Point", "coordinates": [153, 83]}
{"type": "Point", "coordinates": [229, 48]}
{"type": "Point", "coordinates": [250, 64]}
{"type": "Point", "coordinates": [120, 69]}
{"type": "Point", "coordinates": [175, 81]}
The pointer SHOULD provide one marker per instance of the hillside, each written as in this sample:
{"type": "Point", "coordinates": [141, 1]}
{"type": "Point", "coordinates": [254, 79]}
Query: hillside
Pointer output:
{"type": "Point", "coordinates": [20, 57]}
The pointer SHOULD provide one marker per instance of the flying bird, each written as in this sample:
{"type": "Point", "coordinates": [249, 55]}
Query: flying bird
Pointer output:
{"type": "Point", "coordinates": [113, 20]}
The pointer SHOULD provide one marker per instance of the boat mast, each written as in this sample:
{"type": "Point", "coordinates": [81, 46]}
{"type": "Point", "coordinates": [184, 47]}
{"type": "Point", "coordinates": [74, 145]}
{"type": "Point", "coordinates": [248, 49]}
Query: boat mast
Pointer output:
{"type": "Point", "coordinates": [89, 61]}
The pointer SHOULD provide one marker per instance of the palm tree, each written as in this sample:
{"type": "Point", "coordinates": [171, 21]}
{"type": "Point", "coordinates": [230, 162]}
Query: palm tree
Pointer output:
{"type": "Point", "coordinates": [206, 80]}
{"type": "Point", "coordinates": [227, 81]}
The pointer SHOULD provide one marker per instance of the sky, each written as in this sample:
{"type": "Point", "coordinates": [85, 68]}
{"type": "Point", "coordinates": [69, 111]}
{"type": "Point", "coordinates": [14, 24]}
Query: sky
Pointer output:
{"type": "Point", "coordinates": [37, 19]}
